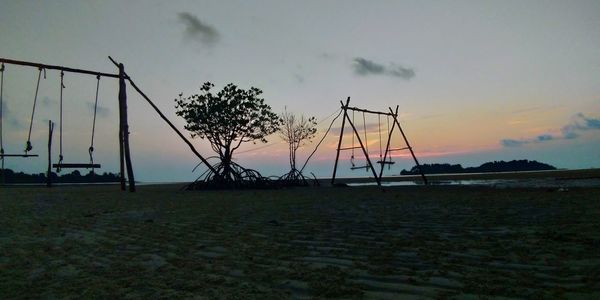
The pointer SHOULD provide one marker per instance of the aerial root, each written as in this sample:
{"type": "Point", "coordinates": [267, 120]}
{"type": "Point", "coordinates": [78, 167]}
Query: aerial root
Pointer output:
{"type": "Point", "coordinates": [235, 176]}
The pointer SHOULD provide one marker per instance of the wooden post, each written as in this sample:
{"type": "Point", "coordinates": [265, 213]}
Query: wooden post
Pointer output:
{"type": "Point", "coordinates": [362, 146]}
{"type": "Point", "coordinates": [409, 147]}
{"type": "Point", "coordinates": [121, 152]}
{"type": "Point", "coordinates": [125, 131]}
{"type": "Point", "coordinates": [166, 119]}
{"type": "Point", "coordinates": [387, 147]}
{"type": "Point", "coordinates": [337, 155]}
{"type": "Point", "coordinates": [49, 171]}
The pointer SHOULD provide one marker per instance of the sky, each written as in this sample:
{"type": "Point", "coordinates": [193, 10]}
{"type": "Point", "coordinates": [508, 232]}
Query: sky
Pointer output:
{"type": "Point", "coordinates": [475, 81]}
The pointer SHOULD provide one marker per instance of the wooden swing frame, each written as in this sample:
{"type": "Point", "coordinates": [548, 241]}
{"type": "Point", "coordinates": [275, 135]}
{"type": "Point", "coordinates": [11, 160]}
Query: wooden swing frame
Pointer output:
{"type": "Point", "coordinates": [124, 149]}
{"type": "Point", "coordinates": [377, 175]}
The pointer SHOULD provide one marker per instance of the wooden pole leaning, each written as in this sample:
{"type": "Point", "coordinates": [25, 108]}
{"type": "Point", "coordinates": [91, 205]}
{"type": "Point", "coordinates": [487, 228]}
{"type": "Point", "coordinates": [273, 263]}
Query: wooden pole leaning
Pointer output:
{"type": "Point", "coordinates": [412, 153]}
{"type": "Point", "coordinates": [345, 108]}
{"type": "Point", "coordinates": [362, 146]}
{"type": "Point", "coordinates": [337, 155]}
{"type": "Point", "coordinates": [389, 140]}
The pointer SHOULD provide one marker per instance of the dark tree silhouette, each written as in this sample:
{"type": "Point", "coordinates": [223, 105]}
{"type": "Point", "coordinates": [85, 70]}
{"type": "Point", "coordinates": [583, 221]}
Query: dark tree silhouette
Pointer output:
{"type": "Point", "coordinates": [296, 131]}
{"type": "Point", "coordinates": [227, 119]}
{"type": "Point", "coordinates": [496, 166]}
{"type": "Point", "coordinates": [10, 177]}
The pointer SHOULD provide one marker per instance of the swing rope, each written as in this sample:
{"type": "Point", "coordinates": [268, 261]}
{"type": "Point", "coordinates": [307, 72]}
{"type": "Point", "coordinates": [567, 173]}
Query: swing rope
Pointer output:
{"type": "Point", "coordinates": [384, 159]}
{"type": "Point", "coordinates": [91, 149]}
{"type": "Point", "coordinates": [352, 156]}
{"type": "Point", "coordinates": [28, 146]}
{"type": "Point", "coordinates": [365, 134]}
{"type": "Point", "coordinates": [380, 146]}
{"type": "Point", "coordinates": [1, 115]}
{"type": "Point", "coordinates": [366, 141]}
{"type": "Point", "coordinates": [388, 130]}
{"type": "Point", "coordinates": [60, 155]}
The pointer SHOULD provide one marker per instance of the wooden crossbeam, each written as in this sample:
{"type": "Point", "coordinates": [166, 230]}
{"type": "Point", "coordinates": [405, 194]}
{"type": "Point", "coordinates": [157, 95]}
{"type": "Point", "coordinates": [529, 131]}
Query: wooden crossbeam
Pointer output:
{"type": "Point", "coordinates": [19, 155]}
{"type": "Point", "coordinates": [76, 166]}
{"type": "Point", "coordinates": [361, 167]}
{"type": "Point", "coordinates": [61, 68]}
{"type": "Point", "coordinates": [369, 111]}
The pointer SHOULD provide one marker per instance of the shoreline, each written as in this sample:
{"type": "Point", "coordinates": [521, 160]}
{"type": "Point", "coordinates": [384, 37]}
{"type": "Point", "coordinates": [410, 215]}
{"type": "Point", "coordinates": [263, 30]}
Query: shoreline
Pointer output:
{"type": "Point", "coordinates": [559, 175]}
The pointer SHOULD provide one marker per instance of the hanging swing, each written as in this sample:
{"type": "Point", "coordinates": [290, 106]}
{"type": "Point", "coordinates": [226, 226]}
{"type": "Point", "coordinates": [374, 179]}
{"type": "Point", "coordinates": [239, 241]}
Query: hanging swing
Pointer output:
{"type": "Point", "coordinates": [366, 166]}
{"type": "Point", "coordinates": [61, 165]}
{"type": "Point", "coordinates": [387, 160]}
{"type": "Point", "coordinates": [28, 145]}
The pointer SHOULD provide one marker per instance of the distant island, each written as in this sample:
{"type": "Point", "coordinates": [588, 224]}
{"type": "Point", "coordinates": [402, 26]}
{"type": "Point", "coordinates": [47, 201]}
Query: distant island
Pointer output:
{"type": "Point", "coordinates": [496, 166]}
{"type": "Point", "coordinates": [9, 176]}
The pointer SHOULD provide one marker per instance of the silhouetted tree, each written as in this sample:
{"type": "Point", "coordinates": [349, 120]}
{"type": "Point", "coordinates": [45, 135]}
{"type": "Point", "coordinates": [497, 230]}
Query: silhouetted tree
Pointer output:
{"type": "Point", "coordinates": [227, 119]}
{"type": "Point", "coordinates": [495, 166]}
{"type": "Point", "coordinates": [296, 131]}
{"type": "Point", "coordinates": [74, 177]}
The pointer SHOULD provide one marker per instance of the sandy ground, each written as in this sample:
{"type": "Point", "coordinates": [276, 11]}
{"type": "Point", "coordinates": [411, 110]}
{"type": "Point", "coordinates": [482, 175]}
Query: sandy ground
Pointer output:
{"type": "Point", "coordinates": [439, 242]}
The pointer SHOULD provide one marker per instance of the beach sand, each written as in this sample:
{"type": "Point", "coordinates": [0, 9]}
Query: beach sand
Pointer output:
{"type": "Point", "coordinates": [439, 242]}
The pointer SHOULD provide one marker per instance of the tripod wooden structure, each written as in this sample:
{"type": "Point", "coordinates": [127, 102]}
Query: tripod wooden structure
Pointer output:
{"type": "Point", "coordinates": [377, 175]}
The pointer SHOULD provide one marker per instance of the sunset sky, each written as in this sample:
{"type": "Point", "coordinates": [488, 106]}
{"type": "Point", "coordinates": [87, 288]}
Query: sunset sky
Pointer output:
{"type": "Point", "coordinates": [476, 81]}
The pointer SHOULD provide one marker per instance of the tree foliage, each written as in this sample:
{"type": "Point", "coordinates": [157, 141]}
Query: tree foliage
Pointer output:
{"type": "Point", "coordinates": [296, 131]}
{"type": "Point", "coordinates": [227, 119]}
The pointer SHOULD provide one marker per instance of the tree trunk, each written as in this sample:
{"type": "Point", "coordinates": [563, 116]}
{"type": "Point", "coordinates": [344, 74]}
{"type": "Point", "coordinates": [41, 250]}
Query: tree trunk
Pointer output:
{"type": "Point", "coordinates": [226, 164]}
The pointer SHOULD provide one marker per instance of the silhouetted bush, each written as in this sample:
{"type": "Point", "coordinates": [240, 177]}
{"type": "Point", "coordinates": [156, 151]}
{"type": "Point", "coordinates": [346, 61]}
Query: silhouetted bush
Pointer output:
{"type": "Point", "coordinates": [74, 177]}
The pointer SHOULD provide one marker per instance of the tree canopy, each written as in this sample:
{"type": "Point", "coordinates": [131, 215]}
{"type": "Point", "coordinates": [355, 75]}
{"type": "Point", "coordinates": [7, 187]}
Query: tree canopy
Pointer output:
{"type": "Point", "coordinates": [227, 119]}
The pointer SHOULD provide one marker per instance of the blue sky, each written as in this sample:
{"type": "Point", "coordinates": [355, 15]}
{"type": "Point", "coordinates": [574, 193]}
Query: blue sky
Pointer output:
{"type": "Point", "coordinates": [475, 80]}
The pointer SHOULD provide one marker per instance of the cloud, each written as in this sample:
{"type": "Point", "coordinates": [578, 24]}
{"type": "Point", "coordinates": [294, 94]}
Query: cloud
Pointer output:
{"type": "Point", "coordinates": [544, 137]}
{"type": "Point", "coordinates": [513, 143]}
{"type": "Point", "coordinates": [365, 67]}
{"type": "Point", "coordinates": [402, 72]}
{"type": "Point", "coordinates": [101, 111]}
{"type": "Point", "coordinates": [569, 132]}
{"type": "Point", "coordinates": [584, 123]}
{"type": "Point", "coordinates": [196, 30]}
{"type": "Point", "coordinates": [579, 122]}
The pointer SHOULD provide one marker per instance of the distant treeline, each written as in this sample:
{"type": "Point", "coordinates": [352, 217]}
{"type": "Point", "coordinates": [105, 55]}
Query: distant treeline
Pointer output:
{"type": "Point", "coordinates": [9, 176]}
{"type": "Point", "coordinates": [496, 166]}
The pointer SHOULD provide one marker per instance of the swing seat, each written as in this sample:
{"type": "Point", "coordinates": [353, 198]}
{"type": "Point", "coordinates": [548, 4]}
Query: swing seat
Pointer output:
{"type": "Point", "coordinates": [19, 155]}
{"type": "Point", "coordinates": [387, 162]}
{"type": "Point", "coordinates": [76, 166]}
{"type": "Point", "coordinates": [361, 167]}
